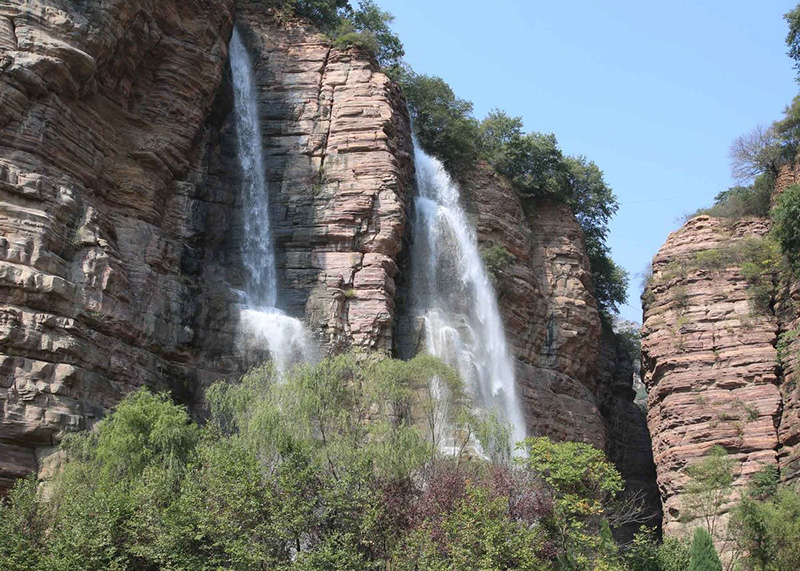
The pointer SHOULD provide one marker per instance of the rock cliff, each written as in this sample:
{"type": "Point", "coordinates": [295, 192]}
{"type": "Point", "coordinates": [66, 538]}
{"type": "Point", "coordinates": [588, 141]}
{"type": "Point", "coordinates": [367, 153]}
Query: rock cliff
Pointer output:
{"type": "Point", "coordinates": [711, 339]}
{"type": "Point", "coordinates": [121, 221]}
{"type": "Point", "coordinates": [104, 228]}
{"type": "Point", "coordinates": [574, 378]}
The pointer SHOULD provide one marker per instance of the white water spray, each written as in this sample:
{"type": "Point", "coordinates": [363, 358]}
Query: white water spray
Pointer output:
{"type": "Point", "coordinates": [451, 291]}
{"type": "Point", "coordinates": [262, 323]}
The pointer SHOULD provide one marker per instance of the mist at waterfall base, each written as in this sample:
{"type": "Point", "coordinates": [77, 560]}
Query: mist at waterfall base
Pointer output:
{"type": "Point", "coordinates": [452, 293]}
{"type": "Point", "coordinates": [262, 324]}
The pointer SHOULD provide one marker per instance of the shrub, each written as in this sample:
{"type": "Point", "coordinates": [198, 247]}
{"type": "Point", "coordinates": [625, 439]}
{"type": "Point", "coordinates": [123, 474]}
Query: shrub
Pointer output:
{"type": "Point", "coordinates": [767, 531]}
{"type": "Point", "coordinates": [496, 259]}
{"type": "Point", "coordinates": [786, 227]}
{"type": "Point", "coordinates": [702, 554]}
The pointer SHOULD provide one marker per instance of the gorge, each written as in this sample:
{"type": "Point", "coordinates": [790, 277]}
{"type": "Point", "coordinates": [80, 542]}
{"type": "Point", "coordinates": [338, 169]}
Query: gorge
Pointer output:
{"type": "Point", "coordinates": [191, 188]}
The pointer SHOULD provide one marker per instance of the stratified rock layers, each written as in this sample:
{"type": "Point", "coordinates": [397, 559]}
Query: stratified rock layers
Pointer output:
{"type": "Point", "coordinates": [121, 222]}
{"type": "Point", "coordinates": [709, 360]}
{"type": "Point", "coordinates": [339, 163]}
{"type": "Point", "coordinates": [103, 113]}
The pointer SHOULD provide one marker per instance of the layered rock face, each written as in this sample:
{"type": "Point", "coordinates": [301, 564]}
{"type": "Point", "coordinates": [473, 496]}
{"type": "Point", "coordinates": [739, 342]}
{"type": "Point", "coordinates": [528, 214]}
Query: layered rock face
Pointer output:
{"type": "Point", "coordinates": [340, 167]}
{"type": "Point", "coordinates": [551, 318]}
{"type": "Point", "coordinates": [709, 359]}
{"type": "Point", "coordinates": [574, 379]}
{"type": "Point", "coordinates": [103, 115]}
{"type": "Point", "coordinates": [121, 219]}
{"type": "Point", "coordinates": [120, 210]}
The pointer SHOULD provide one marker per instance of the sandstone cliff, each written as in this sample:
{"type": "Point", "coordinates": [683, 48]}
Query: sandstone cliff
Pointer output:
{"type": "Point", "coordinates": [103, 115]}
{"type": "Point", "coordinates": [121, 221]}
{"type": "Point", "coordinates": [574, 378]}
{"type": "Point", "coordinates": [710, 359]}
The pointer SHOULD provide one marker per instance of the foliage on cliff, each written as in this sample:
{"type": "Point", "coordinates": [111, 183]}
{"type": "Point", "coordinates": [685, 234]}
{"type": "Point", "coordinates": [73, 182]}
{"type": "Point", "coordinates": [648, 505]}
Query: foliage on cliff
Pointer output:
{"type": "Point", "coordinates": [325, 470]}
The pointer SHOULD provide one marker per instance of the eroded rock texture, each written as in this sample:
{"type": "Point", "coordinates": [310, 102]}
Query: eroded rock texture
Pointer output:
{"type": "Point", "coordinates": [120, 212]}
{"type": "Point", "coordinates": [340, 168]}
{"type": "Point", "coordinates": [103, 113]}
{"type": "Point", "coordinates": [709, 360]}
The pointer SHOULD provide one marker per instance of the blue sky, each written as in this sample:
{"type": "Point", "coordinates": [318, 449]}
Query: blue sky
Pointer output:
{"type": "Point", "coordinates": [652, 92]}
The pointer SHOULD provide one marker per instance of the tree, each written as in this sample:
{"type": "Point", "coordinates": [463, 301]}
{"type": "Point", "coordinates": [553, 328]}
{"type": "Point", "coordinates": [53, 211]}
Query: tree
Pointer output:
{"type": "Point", "coordinates": [327, 14]}
{"type": "Point", "coordinates": [369, 28]}
{"type": "Point", "coordinates": [584, 483]}
{"type": "Point", "coordinates": [766, 531]}
{"type": "Point", "coordinates": [702, 555]}
{"type": "Point", "coordinates": [786, 224]}
{"type": "Point", "coordinates": [442, 122]}
{"type": "Point", "coordinates": [709, 487]}
{"type": "Point", "coordinates": [755, 153]}
{"type": "Point", "coordinates": [793, 36]}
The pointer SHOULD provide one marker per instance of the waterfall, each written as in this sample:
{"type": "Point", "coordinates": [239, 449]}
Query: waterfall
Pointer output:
{"type": "Point", "coordinates": [451, 292]}
{"type": "Point", "coordinates": [262, 323]}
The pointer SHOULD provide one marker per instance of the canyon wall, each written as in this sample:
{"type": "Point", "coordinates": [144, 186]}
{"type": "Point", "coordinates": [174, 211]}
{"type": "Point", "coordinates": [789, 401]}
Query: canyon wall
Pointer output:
{"type": "Point", "coordinates": [121, 221]}
{"type": "Point", "coordinates": [107, 280]}
{"type": "Point", "coordinates": [711, 337]}
{"type": "Point", "coordinates": [575, 380]}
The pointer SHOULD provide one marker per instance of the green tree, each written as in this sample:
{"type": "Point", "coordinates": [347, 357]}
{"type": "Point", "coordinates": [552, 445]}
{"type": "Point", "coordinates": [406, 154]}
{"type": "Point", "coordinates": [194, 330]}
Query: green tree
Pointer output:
{"type": "Point", "coordinates": [786, 224]}
{"type": "Point", "coordinates": [327, 14]}
{"type": "Point", "coordinates": [766, 531]}
{"type": "Point", "coordinates": [442, 122]}
{"type": "Point", "coordinates": [709, 487]}
{"type": "Point", "coordinates": [369, 28]}
{"type": "Point", "coordinates": [584, 483]}
{"type": "Point", "coordinates": [702, 555]}
{"type": "Point", "coordinates": [793, 36]}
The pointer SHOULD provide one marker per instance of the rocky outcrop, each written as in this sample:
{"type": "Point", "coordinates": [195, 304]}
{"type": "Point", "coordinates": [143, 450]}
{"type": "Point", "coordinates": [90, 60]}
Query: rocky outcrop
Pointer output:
{"type": "Point", "coordinates": [121, 226]}
{"type": "Point", "coordinates": [551, 318]}
{"type": "Point", "coordinates": [340, 168]}
{"type": "Point", "coordinates": [103, 118]}
{"type": "Point", "coordinates": [709, 359]}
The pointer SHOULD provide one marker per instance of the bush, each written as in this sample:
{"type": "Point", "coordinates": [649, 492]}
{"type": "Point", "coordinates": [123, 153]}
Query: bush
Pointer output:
{"type": "Point", "coordinates": [495, 259]}
{"type": "Point", "coordinates": [741, 201]}
{"type": "Point", "coordinates": [767, 531]}
{"type": "Point", "coordinates": [702, 555]}
{"type": "Point", "coordinates": [442, 122]}
{"type": "Point", "coordinates": [786, 227]}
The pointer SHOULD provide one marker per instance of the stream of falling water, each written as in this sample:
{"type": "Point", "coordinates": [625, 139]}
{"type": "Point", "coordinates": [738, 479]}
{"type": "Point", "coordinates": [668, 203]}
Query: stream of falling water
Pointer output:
{"type": "Point", "coordinates": [262, 323]}
{"type": "Point", "coordinates": [452, 293]}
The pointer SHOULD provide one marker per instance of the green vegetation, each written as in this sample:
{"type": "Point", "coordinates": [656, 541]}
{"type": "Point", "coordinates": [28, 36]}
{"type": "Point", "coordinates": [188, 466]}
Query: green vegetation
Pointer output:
{"type": "Point", "coordinates": [742, 201]}
{"type": "Point", "coordinates": [537, 168]}
{"type": "Point", "coordinates": [702, 555]}
{"type": "Point", "coordinates": [496, 259]}
{"type": "Point", "coordinates": [443, 123]}
{"type": "Point", "coordinates": [786, 229]}
{"type": "Point", "coordinates": [338, 467]}
{"type": "Point", "coordinates": [366, 27]}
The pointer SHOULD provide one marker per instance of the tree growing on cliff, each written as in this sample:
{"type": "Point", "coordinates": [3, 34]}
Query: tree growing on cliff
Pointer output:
{"type": "Point", "coordinates": [369, 28]}
{"type": "Point", "coordinates": [709, 487]}
{"type": "Point", "coordinates": [786, 224]}
{"type": "Point", "coordinates": [442, 122]}
{"type": "Point", "coordinates": [757, 152]}
{"type": "Point", "coordinates": [702, 555]}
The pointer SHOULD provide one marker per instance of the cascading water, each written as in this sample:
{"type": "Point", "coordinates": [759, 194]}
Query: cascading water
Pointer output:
{"type": "Point", "coordinates": [262, 323]}
{"type": "Point", "coordinates": [452, 293]}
